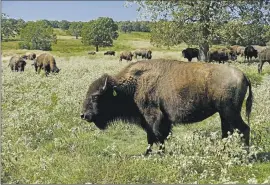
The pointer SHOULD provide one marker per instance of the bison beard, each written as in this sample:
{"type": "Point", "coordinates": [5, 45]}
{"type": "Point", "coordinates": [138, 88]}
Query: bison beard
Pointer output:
{"type": "Point", "coordinates": [159, 93]}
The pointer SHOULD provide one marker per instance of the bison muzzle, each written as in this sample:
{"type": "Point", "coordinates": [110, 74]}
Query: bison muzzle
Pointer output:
{"type": "Point", "coordinates": [158, 93]}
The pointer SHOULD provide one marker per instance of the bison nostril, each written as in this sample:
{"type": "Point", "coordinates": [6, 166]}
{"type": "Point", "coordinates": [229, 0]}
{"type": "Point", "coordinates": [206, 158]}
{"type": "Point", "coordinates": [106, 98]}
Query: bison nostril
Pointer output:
{"type": "Point", "coordinates": [82, 116]}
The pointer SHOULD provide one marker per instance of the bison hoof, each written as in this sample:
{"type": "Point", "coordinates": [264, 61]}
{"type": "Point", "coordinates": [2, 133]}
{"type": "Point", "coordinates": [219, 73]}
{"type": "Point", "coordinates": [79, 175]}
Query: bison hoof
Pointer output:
{"type": "Point", "coordinates": [148, 151]}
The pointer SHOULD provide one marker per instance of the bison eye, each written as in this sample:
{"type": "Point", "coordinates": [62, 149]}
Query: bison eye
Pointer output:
{"type": "Point", "coordinates": [94, 97]}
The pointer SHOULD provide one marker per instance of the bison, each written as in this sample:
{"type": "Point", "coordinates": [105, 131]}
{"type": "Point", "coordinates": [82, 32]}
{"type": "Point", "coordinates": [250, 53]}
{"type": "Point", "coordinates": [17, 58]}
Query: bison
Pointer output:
{"type": "Point", "coordinates": [190, 53]}
{"type": "Point", "coordinates": [110, 53]}
{"type": "Point", "coordinates": [91, 53]}
{"type": "Point", "coordinates": [250, 52]}
{"type": "Point", "coordinates": [237, 50]}
{"type": "Point", "coordinates": [159, 92]}
{"type": "Point", "coordinates": [17, 63]}
{"type": "Point", "coordinates": [46, 62]}
{"type": "Point", "coordinates": [264, 56]}
{"type": "Point", "coordinates": [221, 55]}
{"type": "Point", "coordinates": [127, 55]}
{"type": "Point", "coordinates": [144, 53]}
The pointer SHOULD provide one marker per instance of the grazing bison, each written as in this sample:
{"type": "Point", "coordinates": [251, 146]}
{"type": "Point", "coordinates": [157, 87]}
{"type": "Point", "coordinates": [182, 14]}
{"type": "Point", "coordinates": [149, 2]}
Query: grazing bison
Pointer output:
{"type": "Point", "coordinates": [221, 55]}
{"type": "Point", "coordinates": [250, 52]}
{"type": "Point", "coordinates": [91, 53]}
{"type": "Point", "coordinates": [144, 53]}
{"type": "Point", "coordinates": [264, 56]}
{"type": "Point", "coordinates": [190, 53]}
{"type": "Point", "coordinates": [17, 63]}
{"type": "Point", "coordinates": [110, 53]}
{"type": "Point", "coordinates": [159, 93]}
{"type": "Point", "coordinates": [127, 55]}
{"type": "Point", "coordinates": [46, 62]}
{"type": "Point", "coordinates": [237, 50]}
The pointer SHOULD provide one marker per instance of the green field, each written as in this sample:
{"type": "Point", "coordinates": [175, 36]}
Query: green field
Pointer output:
{"type": "Point", "coordinates": [45, 141]}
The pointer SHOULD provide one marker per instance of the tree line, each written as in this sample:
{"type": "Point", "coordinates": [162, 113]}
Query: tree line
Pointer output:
{"type": "Point", "coordinates": [199, 23]}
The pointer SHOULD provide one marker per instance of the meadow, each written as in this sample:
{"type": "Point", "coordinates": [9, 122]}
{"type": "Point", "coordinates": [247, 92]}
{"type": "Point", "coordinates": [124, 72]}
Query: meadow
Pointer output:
{"type": "Point", "coordinates": [45, 141]}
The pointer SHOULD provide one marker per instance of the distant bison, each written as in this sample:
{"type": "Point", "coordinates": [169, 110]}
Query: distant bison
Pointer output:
{"type": "Point", "coordinates": [91, 53]}
{"type": "Point", "coordinates": [158, 93]}
{"type": "Point", "coordinates": [250, 52]}
{"type": "Point", "coordinates": [144, 53]}
{"type": "Point", "coordinates": [17, 63]}
{"type": "Point", "coordinates": [46, 62]}
{"type": "Point", "coordinates": [238, 50]}
{"type": "Point", "coordinates": [127, 55]}
{"type": "Point", "coordinates": [264, 56]}
{"type": "Point", "coordinates": [190, 53]}
{"type": "Point", "coordinates": [110, 53]}
{"type": "Point", "coordinates": [221, 55]}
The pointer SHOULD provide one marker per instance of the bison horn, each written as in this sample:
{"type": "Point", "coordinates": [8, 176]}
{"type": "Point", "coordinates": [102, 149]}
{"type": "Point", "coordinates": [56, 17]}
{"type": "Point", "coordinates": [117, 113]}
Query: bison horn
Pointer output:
{"type": "Point", "coordinates": [104, 87]}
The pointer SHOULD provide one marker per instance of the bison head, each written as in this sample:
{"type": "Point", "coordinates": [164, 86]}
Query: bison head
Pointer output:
{"type": "Point", "coordinates": [98, 104]}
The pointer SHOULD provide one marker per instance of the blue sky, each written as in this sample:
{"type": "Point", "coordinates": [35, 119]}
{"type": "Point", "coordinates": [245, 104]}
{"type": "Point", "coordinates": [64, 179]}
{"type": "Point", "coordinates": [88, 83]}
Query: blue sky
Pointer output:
{"type": "Point", "coordinates": [69, 10]}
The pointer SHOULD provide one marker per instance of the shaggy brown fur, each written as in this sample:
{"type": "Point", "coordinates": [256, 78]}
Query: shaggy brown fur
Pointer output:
{"type": "Point", "coordinates": [159, 92]}
{"type": "Point", "coordinates": [46, 62]}
{"type": "Point", "coordinates": [17, 63]}
{"type": "Point", "coordinates": [29, 56]}
{"type": "Point", "coordinates": [127, 55]}
{"type": "Point", "coordinates": [264, 56]}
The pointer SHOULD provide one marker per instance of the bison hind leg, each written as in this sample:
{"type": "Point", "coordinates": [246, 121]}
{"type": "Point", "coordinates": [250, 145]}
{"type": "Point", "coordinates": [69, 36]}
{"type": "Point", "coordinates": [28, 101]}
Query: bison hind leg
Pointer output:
{"type": "Point", "coordinates": [232, 120]}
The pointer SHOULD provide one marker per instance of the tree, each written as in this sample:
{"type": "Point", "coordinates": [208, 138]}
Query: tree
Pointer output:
{"type": "Point", "coordinates": [75, 28]}
{"type": "Point", "coordinates": [10, 27]}
{"type": "Point", "coordinates": [201, 21]}
{"type": "Point", "coordinates": [64, 24]}
{"type": "Point", "coordinates": [37, 35]}
{"type": "Point", "coordinates": [100, 32]}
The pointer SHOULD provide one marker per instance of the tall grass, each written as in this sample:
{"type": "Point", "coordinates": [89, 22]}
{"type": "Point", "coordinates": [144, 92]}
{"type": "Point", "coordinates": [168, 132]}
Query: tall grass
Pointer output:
{"type": "Point", "coordinates": [45, 141]}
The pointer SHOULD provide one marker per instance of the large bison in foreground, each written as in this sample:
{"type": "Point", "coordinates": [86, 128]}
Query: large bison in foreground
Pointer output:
{"type": "Point", "coordinates": [158, 93]}
{"type": "Point", "coordinates": [46, 62]}
{"type": "Point", "coordinates": [264, 56]}
{"type": "Point", "coordinates": [190, 53]}
{"type": "Point", "coordinates": [17, 63]}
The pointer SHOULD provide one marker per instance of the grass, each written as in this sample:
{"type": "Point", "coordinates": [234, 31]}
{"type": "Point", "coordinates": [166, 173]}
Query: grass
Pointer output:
{"type": "Point", "coordinates": [45, 141]}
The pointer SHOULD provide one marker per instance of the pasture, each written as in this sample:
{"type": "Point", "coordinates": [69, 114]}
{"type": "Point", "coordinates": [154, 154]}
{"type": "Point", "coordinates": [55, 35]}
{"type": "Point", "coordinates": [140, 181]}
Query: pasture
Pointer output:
{"type": "Point", "coordinates": [45, 141]}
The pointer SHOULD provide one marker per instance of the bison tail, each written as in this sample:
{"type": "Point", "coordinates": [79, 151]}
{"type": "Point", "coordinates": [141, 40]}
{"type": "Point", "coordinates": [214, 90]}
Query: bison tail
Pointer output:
{"type": "Point", "coordinates": [249, 100]}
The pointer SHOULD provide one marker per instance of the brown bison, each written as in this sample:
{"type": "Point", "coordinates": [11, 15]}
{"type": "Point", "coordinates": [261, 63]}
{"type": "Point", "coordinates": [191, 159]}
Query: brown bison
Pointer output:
{"type": "Point", "coordinates": [46, 62]}
{"type": "Point", "coordinates": [110, 53]}
{"type": "Point", "coordinates": [238, 50]}
{"type": "Point", "coordinates": [221, 55]}
{"type": "Point", "coordinates": [17, 63]}
{"type": "Point", "coordinates": [91, 53]}
{"type": "Point", "coordinates": [127, 55]}
{"type": "Point", "coordinates": [264, 56]}
{"type": "Point", "coordinates": [190, 53]}
{"type": "Point", "coordinates": [144, 53]}
{"type": "Point", "coordinates": [158, 93]}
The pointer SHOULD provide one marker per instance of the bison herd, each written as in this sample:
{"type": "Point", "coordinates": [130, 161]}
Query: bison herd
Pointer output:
{"type": "Point", "coordinates": [158, 93]}
{"type": "Point", "coordinates": [44, 61]}
{"type": "Point", "coordinates": [222, 55]}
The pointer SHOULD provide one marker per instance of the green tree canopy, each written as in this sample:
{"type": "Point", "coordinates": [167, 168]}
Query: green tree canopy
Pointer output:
{"type": "Point", "coordinates": [37, 35]}
{"type": "Point", "coordinates": [64, 24]}
{"type": "Point", "coordinates": [10, 27]}
{"type": "Point", "coordinates": [100, 32]}
{"type": "Point", "coordinates": [201, 22]}
{"type": "Point", "coordinates": [75, 29]}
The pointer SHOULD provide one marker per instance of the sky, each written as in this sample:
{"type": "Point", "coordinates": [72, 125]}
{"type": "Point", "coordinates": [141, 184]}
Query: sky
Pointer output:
{"type": "Point", "coordinates": [69, 10]}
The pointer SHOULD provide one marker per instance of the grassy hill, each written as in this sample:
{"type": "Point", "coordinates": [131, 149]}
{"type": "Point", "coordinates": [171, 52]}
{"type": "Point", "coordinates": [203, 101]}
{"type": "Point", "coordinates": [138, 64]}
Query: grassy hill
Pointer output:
{"type": "Point", "coordinates": [45, 141]}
